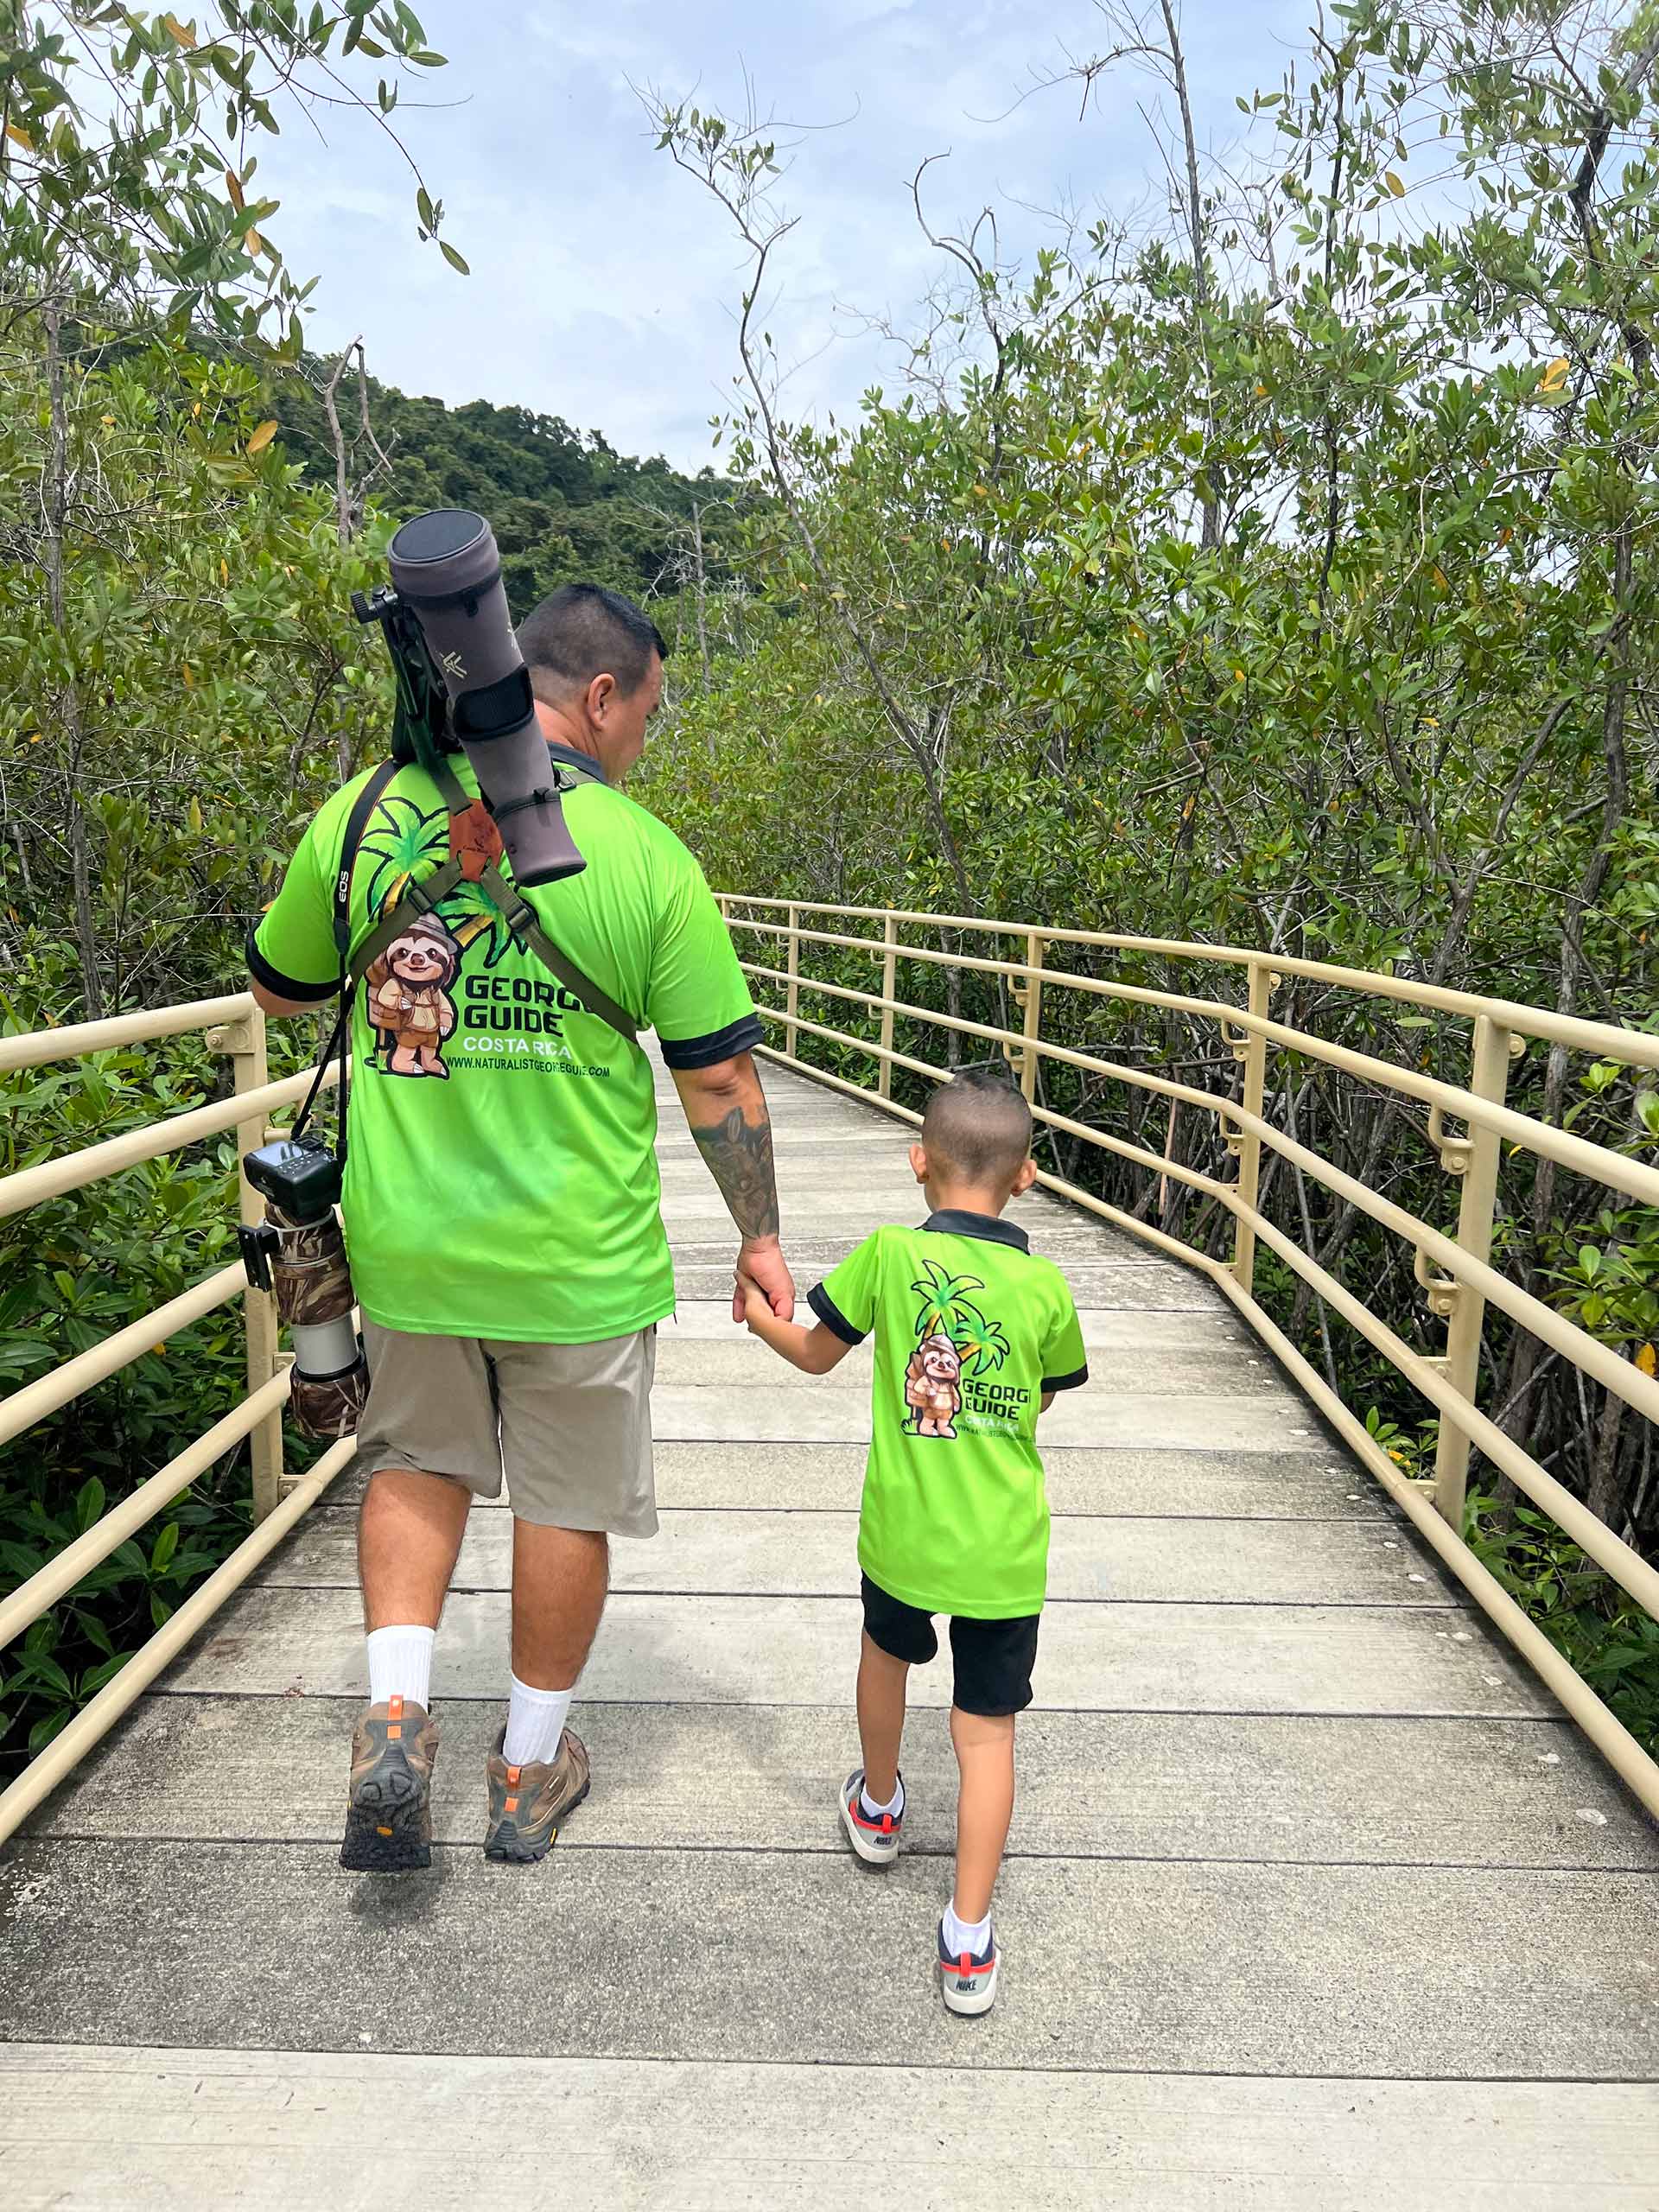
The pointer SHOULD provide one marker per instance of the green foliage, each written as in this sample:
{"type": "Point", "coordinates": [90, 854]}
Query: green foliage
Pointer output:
{"type": "Point", "coordinates": [1288, 582]}
{"type": "Point", "coordinates": [1589, 1619]}
{"type": "Point", "coordinates": [72, 1274]}
{"type": "Point", "coordinates": [564, 508]}
{"type": "Point", "coordinates": [68, 1655]}
{"type": "Point", "coordinates": [126, 162]}
{"type": "Point", "coordinates": [1607, 1287]}
{"type": "Point", "coordinates": [189, 681]}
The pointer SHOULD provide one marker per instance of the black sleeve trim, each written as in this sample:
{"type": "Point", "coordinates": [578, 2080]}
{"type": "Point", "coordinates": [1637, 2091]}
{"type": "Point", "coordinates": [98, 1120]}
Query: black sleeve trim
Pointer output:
{"type": "Point", "coordinates": [725, 1043]}
{"type": "Point", "coordinates": [285, 987]}
{"type": "Point", "coordinates": [832, 1317]}
{"type": "Point", "coordinates": [1067, 1382]}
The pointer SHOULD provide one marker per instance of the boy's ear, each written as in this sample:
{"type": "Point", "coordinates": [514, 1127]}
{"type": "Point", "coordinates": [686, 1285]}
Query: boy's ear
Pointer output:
{"type": "Point", "coordinates": [918, 1163]}
{"type": "Point", "coordinates": [1025, 1179]}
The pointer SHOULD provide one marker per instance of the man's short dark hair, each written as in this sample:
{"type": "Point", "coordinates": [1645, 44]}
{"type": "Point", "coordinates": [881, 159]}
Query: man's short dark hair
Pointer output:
{"type": "Point", "coordinates": [978, 1126]}
{"type": "Point", "coordinates": [582, 631]}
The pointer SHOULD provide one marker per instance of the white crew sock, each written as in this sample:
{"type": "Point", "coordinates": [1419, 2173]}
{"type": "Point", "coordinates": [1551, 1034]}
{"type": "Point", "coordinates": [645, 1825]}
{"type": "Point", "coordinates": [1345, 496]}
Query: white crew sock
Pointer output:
{"type": "Point", "coordinates": [895, 1804]}
{"type": "Point", "coordinates": [536, 1721]}
{"type": "Point", "coordinates": [400, 1665]}
{"type": "Point", "coordinates": [970, 1936]}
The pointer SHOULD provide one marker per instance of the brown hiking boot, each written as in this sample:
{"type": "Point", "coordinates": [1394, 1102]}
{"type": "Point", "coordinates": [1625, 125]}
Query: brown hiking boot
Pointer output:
{"type": "Point", "coordinates": [388, 1807]}
{"type": "Point", "coordinates": [528, 1802]}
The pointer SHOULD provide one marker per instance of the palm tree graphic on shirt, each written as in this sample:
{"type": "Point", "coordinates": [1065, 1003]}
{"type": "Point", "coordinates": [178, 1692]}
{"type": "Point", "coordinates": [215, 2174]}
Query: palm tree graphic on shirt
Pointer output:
{"type": "Point", "coordinates": [954, 1338]}
{"type": "Point", "coordinates": [405, 843]}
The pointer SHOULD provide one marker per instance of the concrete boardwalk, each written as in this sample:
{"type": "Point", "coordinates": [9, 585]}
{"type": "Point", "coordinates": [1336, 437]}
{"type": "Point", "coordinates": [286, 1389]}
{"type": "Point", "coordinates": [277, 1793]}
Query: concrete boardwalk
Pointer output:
{"type": "Point", "coordinates": [1314, 1898]}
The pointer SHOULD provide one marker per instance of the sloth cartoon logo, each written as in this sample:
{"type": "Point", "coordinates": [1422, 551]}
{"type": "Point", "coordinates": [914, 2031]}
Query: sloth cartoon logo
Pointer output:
{"type": "Point", "coordinates": [409, 1001]}
{"type": "Point", "coordinates": [934, 1386]}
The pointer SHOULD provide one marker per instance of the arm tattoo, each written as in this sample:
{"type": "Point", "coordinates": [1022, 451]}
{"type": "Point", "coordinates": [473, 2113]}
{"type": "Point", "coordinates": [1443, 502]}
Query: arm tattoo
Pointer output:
{"type": "Point", "coordinates": [739, 1153]}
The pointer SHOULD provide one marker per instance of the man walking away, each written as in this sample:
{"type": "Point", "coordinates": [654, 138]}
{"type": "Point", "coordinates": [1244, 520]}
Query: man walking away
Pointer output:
{"type": "Point", "coordinates": [501, 1206]}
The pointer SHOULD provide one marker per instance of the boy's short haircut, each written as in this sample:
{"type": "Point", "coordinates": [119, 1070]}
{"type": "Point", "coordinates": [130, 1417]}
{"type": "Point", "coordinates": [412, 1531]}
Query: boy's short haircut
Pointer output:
{"type": "Point", "coordinates": [978, 1126]}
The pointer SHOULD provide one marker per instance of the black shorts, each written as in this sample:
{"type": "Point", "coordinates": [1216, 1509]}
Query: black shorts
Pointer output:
{"type": "Point", "coordinates": [992, 1659]}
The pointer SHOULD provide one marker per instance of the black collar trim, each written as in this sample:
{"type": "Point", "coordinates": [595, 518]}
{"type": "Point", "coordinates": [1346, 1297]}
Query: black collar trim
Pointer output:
{"type": "Point", "coordinates": [571, 758]}
{"type": "Point", "coordinates": [956, 1221]}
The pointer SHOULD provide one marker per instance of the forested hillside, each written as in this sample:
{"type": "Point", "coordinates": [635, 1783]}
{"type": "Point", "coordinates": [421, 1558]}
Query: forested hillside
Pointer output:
{"type": "Point", "coordinates": [563, 505]}
{"type": "Point", "coordinates": [1282, 571]}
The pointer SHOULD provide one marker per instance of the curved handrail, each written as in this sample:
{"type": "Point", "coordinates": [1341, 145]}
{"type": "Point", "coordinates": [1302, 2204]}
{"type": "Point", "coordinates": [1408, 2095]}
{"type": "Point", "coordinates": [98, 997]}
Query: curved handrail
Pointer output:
{"type": "Point", "coordinates": [1466, 1283]}
{"type": "Point", "coordinates": [1605, 1040]}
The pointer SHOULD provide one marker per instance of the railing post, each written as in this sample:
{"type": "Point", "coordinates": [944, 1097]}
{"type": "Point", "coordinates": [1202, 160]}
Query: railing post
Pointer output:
{"type": "Point", "coordinates": [1476, 1159]}
{"type": "Point", "coordinates": [1255, 1055]}
{"type": "Point", "coordinates": [792, 996]}
{"type": "Point", "coordinates": [889, 988]}
{"type": "Point", "coordinates": [245, 1041]}
{"type": "Point", "coordinates": [1030, 996]}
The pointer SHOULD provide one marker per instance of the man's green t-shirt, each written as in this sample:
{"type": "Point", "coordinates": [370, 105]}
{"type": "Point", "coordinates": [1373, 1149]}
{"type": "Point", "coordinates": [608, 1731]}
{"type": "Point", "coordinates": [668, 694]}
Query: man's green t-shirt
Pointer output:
{"type": "Point", "coordinates": [971, 1328]}
{"type": "Point", "coordinates": [501, 1177]}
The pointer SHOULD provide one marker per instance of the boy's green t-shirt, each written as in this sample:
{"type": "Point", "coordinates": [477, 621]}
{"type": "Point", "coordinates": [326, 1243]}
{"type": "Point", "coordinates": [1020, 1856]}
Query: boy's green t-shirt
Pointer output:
{"type": "Point", "coordinates": [501, 1177]}
{"type": "Point", "coordinates": [971, 1328]}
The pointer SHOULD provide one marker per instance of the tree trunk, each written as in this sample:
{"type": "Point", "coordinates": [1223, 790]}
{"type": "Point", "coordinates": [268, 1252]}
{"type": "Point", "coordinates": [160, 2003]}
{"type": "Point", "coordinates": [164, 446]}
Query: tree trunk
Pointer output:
{"type": "Point", "coordinates": [1602, 1493]}
{"type": "Point", "coordinates": [953, 1006]}
{"type": "Point", "coordinates": [1211, 506]}
{"type": "Point", "coordinates": [57, 507]}
{"type": "Point", "coordinates": [703, 622]}
{"type": "Point", "coordinates": [1524, 1357]}
{"type": "Point", "coordinates": [345, 517]}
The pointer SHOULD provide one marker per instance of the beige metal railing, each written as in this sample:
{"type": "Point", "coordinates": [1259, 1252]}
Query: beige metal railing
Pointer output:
{"type": "Point", "coordinates": [1459, 1293]}
{"type": "Point", "coordinates": [1454, 1271]}
{"type": "Point", "coordinates": [235, 1026]}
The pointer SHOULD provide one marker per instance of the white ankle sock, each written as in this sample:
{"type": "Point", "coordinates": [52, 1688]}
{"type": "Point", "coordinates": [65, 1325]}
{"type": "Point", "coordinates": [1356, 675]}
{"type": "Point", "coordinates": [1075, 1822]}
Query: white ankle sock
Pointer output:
{"type": "Point", "coordinates": [895, 1804]}
{"type": "Point", "coordinates": [970, 1936]}
{"type": "Point", "coordinates": [536, 1721]}
{"type": "Point", "coordinates": [400, 1665]}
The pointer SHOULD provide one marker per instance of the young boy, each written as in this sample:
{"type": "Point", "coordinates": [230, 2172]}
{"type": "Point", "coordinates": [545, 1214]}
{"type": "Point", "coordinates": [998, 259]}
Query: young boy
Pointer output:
{"type": "Point", "coordinates": [974, 1335]}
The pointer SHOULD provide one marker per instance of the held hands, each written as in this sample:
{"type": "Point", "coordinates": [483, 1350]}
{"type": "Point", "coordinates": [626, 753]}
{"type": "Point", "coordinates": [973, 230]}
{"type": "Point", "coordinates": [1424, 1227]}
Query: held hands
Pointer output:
{"type": "Point", "coordinates": [764, 1287]}
{"type": "Point", "coordinates": [814, 1351]}
{"type": "Point", "coordinates": [753, 1301]}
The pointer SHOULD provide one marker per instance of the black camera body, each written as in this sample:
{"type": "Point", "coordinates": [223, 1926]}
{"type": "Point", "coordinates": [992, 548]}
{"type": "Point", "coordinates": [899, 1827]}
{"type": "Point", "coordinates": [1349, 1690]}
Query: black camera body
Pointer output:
{"type": "Point", "coordinates": [299, 1179]}
{"type": "Point", "coordinates": [299, 1176]}
{"type": "Point", "coordinates": [299, 1253]}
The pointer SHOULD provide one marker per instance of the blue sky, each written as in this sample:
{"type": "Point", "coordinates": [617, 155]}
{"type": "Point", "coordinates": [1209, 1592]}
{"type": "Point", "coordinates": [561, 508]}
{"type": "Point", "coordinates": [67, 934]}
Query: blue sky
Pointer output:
{"type": "Point", "coordinates": [604, 283]}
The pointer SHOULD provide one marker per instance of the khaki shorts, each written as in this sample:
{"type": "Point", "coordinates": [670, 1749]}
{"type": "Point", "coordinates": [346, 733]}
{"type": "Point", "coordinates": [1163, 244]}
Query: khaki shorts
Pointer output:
{"type": "Point", "coordinates": [569, 1425]}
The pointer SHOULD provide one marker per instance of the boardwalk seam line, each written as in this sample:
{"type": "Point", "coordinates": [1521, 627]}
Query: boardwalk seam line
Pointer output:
{"type": "Point", "coordinates": [570, 1842]}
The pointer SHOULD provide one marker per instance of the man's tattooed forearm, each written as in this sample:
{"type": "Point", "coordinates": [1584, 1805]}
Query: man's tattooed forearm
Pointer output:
{"type": "Point", "coordinates": [739, 1153]}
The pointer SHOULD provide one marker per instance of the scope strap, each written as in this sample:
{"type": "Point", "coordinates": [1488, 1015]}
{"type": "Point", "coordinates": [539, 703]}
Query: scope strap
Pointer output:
{"type": "Point", "coordinates": [341, 1039]}
{"type": "Point", "coordinates": [367, 799]}
{"type": "Point", "coordinates": [521, 918]}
